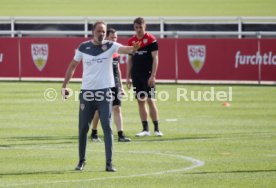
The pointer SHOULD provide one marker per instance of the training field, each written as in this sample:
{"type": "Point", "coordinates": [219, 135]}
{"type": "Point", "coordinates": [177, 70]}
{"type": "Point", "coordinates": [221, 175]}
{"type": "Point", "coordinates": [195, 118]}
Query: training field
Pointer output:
{"type": "Point", "coordinates": [205, 145]}
{"type": "Point", "coordinates": [137, 8]}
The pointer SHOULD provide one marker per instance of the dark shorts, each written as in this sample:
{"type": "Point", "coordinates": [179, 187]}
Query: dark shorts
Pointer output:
{"type": "Point", "coordinates": [117, 97]}
{"type": "Point", "coordinates": [141, 87]}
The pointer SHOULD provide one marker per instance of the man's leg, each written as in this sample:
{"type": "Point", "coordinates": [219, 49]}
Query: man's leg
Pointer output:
{"type": "Point", "coordinates": [118, 120]}
{"type": "Point", "coordinates": [138, 87]}
{"type": "Point", "coordinates": [86, 113]}
{"type": "Point", "coordinates": [105, 110]}
{"type": "Point", "coordinates": [95, 121]}
{"type": "Point", "coordinates": [143, 116]}
{"type": "Point", "coordinates": [153, 111]}
{"type": "Point", "coordinates": [142, 110]}
{"type": "Point", "coordinates": [94, 131]}
{"type": "Point", "coordinates": [117, 114]}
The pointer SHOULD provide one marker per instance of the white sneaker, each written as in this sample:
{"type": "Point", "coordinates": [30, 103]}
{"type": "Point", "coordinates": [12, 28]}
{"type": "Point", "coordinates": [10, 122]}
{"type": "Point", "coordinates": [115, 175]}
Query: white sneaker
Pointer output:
{"type": "Point", "coordinates": [143, 133]}
{"type": "Point", "coordinates": [158, 133]}
{"type": "Point", "coordinates": [96, 140]}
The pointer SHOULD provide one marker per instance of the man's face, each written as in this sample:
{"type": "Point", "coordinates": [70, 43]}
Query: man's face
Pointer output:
{"type": "Point", "coordinates": [99, 32]}
{"type": "Point", "coordinates": [112, 37]}
{"type": "Point", "coordinates": [140, 29]}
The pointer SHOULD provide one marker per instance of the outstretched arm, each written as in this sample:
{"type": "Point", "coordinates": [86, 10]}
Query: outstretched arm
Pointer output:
{"type": "Point", "coordinates": [129, 49]}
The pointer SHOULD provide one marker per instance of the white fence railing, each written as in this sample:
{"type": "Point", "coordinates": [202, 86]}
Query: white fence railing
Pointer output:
{"type": "Point", "coordinates": [239, 21]}
{"type": "Point", "coordinates": [168, 33]}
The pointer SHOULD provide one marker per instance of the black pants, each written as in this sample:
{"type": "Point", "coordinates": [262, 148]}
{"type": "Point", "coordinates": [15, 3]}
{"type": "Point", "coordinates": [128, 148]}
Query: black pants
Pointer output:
{"type": "Point", "coordinates": [90, 101]}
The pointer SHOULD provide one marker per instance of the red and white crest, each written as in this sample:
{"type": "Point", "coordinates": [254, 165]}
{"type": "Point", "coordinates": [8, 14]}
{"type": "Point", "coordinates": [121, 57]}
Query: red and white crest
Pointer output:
{"type": "Point", "coordinates": [197, 54]}
{"type": "Point", "coordinates": [145, 41]}
{"type": "Point", "coordinates": [40, 55]}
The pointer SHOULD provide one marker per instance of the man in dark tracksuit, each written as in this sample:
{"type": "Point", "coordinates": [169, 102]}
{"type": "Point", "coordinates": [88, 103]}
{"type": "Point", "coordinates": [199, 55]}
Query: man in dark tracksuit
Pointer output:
{"type": "Point", "coordinates": [97, 79]}
{"type": "Point", "coordinates": [117, 91]}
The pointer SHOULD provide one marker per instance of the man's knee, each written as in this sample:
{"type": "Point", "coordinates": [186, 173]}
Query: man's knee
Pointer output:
{"type": "Point", "coordinates": [141, 101]}
{"type": "Point", "coordinates": [83, 129]}
{"type": "Point", "coordinates": [116, 109]}
{"type": "Point", "coordinates": [106, 121]}
{"type": "Point", "coordinates": [106, 126]}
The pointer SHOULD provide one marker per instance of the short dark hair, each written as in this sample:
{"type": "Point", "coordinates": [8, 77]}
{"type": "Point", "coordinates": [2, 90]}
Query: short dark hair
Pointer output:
{"type": "Point", "coordinates": [110, 31]}
{"type": "Point", "coordinates": [139, 21]}
{"type": "Point", "coordinates": [97, 23]}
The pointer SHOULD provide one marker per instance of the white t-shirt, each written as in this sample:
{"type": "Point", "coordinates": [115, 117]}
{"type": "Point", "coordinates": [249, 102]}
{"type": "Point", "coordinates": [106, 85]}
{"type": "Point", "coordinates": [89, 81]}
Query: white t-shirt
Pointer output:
{"type": "Point", "coordinates": [97, 64]}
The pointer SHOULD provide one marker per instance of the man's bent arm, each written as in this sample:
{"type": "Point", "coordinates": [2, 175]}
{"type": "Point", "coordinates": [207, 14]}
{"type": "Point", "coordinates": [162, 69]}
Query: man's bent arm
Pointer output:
{"type": "Point", "coordinates": [120, 76]}
{"type": "Point", "coordinates": [154, 63]}
{"type": "Point", "coordinates": [151, 81]}
{"type": "Point", "coordinates": [129, 66]}
{"type": "Point", "coordinates": [128, 76]}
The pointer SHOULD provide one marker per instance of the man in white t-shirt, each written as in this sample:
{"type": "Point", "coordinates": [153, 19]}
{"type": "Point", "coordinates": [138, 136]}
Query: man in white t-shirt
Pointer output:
{"type": "Point", "coordinates": [95, 94]}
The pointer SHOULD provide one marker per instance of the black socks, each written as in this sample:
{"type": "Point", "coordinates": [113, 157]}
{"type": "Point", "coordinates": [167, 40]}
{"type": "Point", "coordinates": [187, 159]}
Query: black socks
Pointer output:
{"type": "Point", "coordinates": [145, 125]}
{"type": "Point", "coordinates": [94, 132]}
{"type": "Point", "coordinates": [156, 127]}
{"type": "Point", "coordinates": [120, 134]}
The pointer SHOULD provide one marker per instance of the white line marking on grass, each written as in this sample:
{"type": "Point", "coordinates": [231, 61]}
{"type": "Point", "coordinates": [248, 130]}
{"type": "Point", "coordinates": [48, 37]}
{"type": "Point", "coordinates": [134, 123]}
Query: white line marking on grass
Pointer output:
{"type": "Point", "coordinates": [271, 155]}
{"type": "Point", "coordinates": [195, 164]}
{"type": "Point", "coordinates": [171, 120]}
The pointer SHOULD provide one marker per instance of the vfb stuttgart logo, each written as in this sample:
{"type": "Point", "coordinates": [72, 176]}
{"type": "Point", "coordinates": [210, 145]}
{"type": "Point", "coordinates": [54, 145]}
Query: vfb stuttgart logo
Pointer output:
{"type": "Point", "coordinates": [40, 55]}
{"type": "Point", "coordinates": [197, 54]}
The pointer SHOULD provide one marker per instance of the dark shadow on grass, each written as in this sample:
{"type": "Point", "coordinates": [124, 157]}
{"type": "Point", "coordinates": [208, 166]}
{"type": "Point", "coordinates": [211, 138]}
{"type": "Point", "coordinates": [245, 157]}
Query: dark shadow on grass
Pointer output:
{"type": "Point", "coordinates": [212, 136]}
{"type": "Point", "coordinates": [26, 138]}
{"type": "Point", "coordinates": [5, 146]}
{"type": "Point", "coordinates": [39, 144]}
{"type": "Point", "coordinates": [160, 139]}
{"type": "Point", "coordinates": [39, 140]}
{"type": "Point", "coordinates": [234, 171]}
{"type": "Point", "coordinates": [52, 172]}
{"type": "Point", "coordinates": [249, 133]}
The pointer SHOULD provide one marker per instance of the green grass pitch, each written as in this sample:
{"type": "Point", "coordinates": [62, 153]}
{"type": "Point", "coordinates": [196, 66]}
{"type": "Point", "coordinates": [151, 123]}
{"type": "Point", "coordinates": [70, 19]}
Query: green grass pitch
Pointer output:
{"type": "Point", "coordinates": [38, 141]}
{"type": "Point", "coordinates": [137, 8]}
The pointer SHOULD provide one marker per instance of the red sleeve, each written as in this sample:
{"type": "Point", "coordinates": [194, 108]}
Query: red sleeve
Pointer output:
{"type": "Point", "coordinates": [151, 38]}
